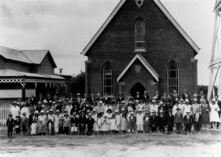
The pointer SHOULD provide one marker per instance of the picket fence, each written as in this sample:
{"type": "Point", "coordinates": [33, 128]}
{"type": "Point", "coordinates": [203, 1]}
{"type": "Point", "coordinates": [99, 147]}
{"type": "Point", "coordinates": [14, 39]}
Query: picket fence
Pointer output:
{"type": "Point", "coordinates": [4, 112]}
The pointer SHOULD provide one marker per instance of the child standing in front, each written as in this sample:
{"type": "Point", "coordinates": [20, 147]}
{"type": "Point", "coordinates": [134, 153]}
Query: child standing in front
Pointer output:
{"type": "Point", "coordinates": [10, 125]}
{"type": "Point", "coordinates": [67, 123]}
{"type": "Point", "coordinates": [105, 125]}
{"type": "Point", "coordinates": [17, 125]}
{"type": "Point", "coordinates": [123, 123]}
{"type": "Point", "coordinates": [113, 124]}
{"type": "Point", "coordinates": [178, 120]}
{"type": "Point", "coordinates": [140, 121]}
{"type": "Point", "coordinates": [146, 123]}
{"type": "Point", "coordinates": [24, 124]}
{"type": "Point", "coordinates": [99, 122]}
{"type": "Point", "coordinates": [170, 122]}
{"type": "Point", "coordinates": [132, 122]}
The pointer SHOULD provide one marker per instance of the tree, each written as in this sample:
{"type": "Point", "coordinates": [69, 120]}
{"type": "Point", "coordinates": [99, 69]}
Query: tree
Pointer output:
{"type": "Point", "coordinates": [78, 84]}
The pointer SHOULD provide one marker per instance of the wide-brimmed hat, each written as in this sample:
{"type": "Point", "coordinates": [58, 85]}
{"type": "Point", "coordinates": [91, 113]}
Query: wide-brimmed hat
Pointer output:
{"type": "Point", "coordinates": [109, 110]}
{"type": "Point", "coordinates": [42, 111]}
{"type": "Point", "coordinates": [140, 110]}
{"type": "Point", "coordinates": [181, 100]}
{"type": "Point", "coordinates": [15, 103]}
{"type": "Point", "coordinates": [195, 100]}
{"type": "Point", "coordinates": [187, 101]}
{"type": "Point", "coordinates": [178, 108]}
{"type": "Point", "coordinates": [66, 114]}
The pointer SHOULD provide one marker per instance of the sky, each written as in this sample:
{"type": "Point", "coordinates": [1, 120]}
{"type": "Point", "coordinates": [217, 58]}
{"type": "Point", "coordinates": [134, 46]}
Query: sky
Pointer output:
{"type": "Point", "coordinates": [65, 27]}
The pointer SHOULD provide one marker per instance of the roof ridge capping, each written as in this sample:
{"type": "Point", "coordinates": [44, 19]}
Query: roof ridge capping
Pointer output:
{"type": "Point", "coordinates": [162, 8]}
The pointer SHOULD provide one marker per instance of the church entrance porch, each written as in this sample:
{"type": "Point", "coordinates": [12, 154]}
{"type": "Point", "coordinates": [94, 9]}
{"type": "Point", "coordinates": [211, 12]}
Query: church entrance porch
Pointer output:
{"type": "Point", "coordinates": [138, 76]}
{"type": "Point", "coordinates": [137, 89]}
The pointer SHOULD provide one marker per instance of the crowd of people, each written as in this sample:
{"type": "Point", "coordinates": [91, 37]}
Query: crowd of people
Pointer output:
{"type": "Point", "coordinates": [173, 113]}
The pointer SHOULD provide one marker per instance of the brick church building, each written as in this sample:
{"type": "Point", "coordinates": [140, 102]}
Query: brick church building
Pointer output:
{"type": "Point", "coordinates": [140, 48]}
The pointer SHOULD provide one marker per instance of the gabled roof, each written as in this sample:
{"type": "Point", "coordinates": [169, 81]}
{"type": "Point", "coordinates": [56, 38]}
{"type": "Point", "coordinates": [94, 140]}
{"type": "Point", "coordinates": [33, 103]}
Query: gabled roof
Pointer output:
{"type": "Point", "coordinates": [35, 56]}
{"type": "Point", "coordinates": [144, 62]}
{"type": "Point", "coordinates": [218, 5]}
{"type": "Point", "coordinates": [163, 9]}
{"type": "Point", "coordinates": [26, 56]}
{"type": "Point", "coordinates": [13, 54]}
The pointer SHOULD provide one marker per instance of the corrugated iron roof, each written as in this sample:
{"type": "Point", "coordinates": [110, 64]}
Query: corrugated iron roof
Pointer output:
{"type": "Point", "coordinates": [36, 56]}
{"type": "Point", "coordinates": [14, 73]}
{"type": "Point", "coordinates": [13, 55]}
{"type": "Point", "coordinates": [25, 56]}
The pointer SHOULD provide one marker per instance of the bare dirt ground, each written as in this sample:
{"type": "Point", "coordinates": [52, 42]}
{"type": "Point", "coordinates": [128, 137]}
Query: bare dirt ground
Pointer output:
{"type": "Point", "coordinates": [204, 144]}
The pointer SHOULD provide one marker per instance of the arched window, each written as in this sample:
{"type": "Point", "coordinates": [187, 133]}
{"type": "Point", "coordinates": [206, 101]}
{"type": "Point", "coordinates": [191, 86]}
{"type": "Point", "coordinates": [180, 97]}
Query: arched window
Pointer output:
{"type": "Point", "coordinates": [139, 35]}
{"type": "Point", "coordinates": [173, 77]}
{"type": "Point", "coordinates": [107, 79]}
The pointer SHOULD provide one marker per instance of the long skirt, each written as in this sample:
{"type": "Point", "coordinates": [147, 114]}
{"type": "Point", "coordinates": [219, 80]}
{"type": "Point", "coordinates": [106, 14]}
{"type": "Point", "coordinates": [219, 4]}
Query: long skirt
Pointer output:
{"type": "Point", "coordinates": [50, 128]}
{"type": "Point", "coordinates": [105, 127]}
{"type": "Point", "coordinates": [113, 126]}
{"type": "Point", "coordinates": [205, 118]}
{"type": "Point", "coordinates": [34, 128]}
{"type": "Point", "coordinates": [214, 116]}
{"type": "Point", "coordinates": [41, 128]}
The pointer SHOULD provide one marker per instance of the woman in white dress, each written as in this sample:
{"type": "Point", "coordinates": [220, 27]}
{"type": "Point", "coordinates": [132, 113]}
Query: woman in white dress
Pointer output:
{"type": "Point", "coordinates": [99, 122]}
{"type": "Point", "coordinates": [95, 126]}
{"type": "Point", "coordinates": [34, 123]}
{"type": "Point", "coordinates": [214, 113]}
{"type": "Point", "coordinates": [113, 124]}
{"type": "Point", "coordinates": [105, 125]}
{"type": "Point", "coordinates": [56, 121]}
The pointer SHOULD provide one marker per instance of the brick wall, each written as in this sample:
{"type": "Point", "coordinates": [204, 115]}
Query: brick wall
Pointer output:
{"type": "Point", "coordinates": [164, 44]}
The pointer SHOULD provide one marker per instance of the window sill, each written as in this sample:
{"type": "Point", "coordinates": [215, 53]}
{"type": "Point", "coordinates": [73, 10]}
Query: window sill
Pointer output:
{"type": "Point", "coordinates": [140, 51]}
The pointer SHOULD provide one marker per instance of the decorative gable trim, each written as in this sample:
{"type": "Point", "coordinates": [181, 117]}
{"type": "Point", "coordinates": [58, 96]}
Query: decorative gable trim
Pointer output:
{"type": "Point", "coordinates": [163, 9]}
{"type": "Point", "coordinates": [144, 63]}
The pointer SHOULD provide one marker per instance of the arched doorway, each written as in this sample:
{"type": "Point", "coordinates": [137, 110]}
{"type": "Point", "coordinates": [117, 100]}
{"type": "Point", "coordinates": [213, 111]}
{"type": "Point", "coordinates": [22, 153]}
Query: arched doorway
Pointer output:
{"type": "Point", "coordinates": [138, 87]}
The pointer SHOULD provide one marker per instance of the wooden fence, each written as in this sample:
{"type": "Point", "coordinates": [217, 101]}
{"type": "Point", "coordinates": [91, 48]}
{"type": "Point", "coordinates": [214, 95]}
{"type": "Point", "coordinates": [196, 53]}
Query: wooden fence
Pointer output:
{"type": "Point", "coordinates": [4, 111]}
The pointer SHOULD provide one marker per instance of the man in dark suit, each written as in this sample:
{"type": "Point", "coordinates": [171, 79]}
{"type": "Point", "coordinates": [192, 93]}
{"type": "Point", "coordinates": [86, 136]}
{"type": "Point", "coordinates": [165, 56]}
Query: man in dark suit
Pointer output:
{"type": "Point", "coordinates": [90, 124]}
{"type": "Point", "coordinates": [188, 122]}
{"type": "Point", "coordinates": [82, 122]}
{"type": "Point", "coordinates": [170, 122]}
{"type": "Point", "coordinates": [161, 121]}
{"type": "Point", "coordinates": [153, 121]}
